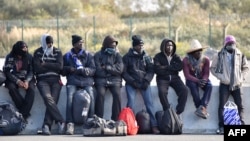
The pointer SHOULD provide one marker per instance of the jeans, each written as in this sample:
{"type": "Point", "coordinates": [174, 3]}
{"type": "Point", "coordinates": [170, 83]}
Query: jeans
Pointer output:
{"type": "Point", "coordinates": [50, 89]}
{"type": "Point", "coordinates": [194, 90]}
{"type": "Point", "coordinates": [180, 89]}
{"type": "Point", "coordinates": [71, 89]}
{"type": "Point", "coordinates": [116, 105]}
{"type": "Point", "coordinates": [224, 94]}
{"type": "Point", "coordinates": [148, 100]}
{"type": "Point", "coordinates": [23, 104]}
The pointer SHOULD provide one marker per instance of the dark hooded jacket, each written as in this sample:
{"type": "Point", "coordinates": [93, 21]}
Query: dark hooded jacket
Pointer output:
{"type": "Point", "coordinates": [53, 61]}
{"type": "Point", "coordinates": [109, 67]}
{"type": "Point", "coordinates": [10, 69]}
{"type": "Point", "coordinates": [82, 77]}
{"type": "Point", "coordinates": [167, 70]}
{"type": "Point", "coordinates": [137, 67]}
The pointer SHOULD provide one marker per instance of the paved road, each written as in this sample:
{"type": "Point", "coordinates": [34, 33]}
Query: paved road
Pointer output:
{"type": "Point", "coordinates": [148, 137]}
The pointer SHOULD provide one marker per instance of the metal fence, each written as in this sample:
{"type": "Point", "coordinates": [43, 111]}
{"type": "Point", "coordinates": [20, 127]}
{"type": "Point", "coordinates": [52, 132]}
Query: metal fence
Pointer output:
{"type": "Point", "coordinates": [209, 29]}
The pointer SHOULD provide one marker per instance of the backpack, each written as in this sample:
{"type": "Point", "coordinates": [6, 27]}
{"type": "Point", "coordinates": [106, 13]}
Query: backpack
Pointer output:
{"type": "Point", "coordinates": [168, 122]}
{"type": "Point", "coordinates": [143, 120]}
{"type": "Point", "coordinates": [128, 117]}
{"type": "Point", "coordinates": [11, 121]}
{"type": "Point", "coordinates": [81, 104]}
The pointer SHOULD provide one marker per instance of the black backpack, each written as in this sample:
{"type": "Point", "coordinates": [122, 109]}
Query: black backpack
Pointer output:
{"type": "Point", "coordinates": [11, 121]}
{"type": "Point", "coordinates": [81, 104]}
{"type": "Point", "coordinates": [168, 122]}
{"type": "Point", "coordinates": [143, 120]}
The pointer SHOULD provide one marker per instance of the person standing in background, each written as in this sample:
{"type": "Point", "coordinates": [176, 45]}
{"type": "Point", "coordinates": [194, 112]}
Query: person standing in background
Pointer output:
{"type": "Point", "coordinates": [167, 65]}
{"type": "Point", "coordinates": [108, 76]}
{"type": "Point", "coordinates": [79, 68]}
{"type": "Point", "coordinates": [18, 69]}
{"type": "Point", "coordinates": [196, 69]}
{"type": "Point", "coordinates": [138, 73]}
{"type": "Point", "coordinates": [48, 64]}
{"type": "Point", "coordinates": [230, 66]}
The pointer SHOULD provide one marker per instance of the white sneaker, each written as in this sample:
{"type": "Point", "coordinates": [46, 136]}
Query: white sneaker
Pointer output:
{"type": "Point", "coordinates": [70, 128]}
{"type": "Point", "coordinates": [61, 127]}
{"type": "Point", "coordinates": [46, 130]}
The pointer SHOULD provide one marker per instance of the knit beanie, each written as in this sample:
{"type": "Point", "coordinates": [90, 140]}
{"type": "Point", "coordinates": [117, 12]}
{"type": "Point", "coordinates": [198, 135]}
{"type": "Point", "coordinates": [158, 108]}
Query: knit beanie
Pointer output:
{"type": "Point", "coordinates": [228, 39]}
{"type": "Point", "coordinates": [137, 40]}
{"type": "Point", "coordinates": [75, 39]}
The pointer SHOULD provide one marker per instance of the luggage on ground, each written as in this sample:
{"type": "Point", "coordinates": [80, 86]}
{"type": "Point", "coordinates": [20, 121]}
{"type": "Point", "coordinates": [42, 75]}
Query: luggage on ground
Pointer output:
{"type": "Point", "coordinates": [97, 126]}
{"type": "Point", "coordinates": [143, 120]}
{"type": "Point", "coordinates": [230, 114]}
{"type": "Point", "coordinates": [81, 103]}
{"type": "Point", "coordinates": [127, 115]}
{"type": "Point", "coordinates": [11, 121]}
{"type": "Point", "coordinates": [168, 122]}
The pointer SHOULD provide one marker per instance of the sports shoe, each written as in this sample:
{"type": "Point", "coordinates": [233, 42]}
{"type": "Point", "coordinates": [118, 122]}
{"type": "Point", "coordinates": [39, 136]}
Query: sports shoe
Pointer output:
{"type": "Point", "coordinates": [61, 127]}
{"type": "Point", "coordinates": [155, 130]}
{"type": "Point", "coordinates": [70, 129]}
{"type": "Point", "coordinates": [220, 131]}
{"type": "Point", "coordinates": [46, 130]}
{"type": "Point", "coordinates": [180, 119]}
{"type": "Point", "coordinates": [201, 112]}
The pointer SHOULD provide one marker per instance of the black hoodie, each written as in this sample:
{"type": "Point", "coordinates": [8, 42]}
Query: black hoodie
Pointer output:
{"type": "Point", "coordinates": [162, 67]}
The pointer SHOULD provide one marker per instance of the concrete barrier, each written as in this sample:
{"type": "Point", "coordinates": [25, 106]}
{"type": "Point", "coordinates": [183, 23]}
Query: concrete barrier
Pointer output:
{"type": "Point", "coordinates": [192, 123]}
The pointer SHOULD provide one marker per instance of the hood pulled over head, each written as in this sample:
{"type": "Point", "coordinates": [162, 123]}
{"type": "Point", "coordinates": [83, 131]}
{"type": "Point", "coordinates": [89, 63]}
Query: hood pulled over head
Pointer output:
{"type": "Point", "coordinates": [163, 45]}
{"type": "Point", "coordinates": [108, 40]}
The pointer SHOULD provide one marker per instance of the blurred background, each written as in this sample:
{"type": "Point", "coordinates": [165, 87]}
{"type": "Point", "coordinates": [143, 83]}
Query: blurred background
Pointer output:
{"type": "Point", "coordinates": [180, 20]}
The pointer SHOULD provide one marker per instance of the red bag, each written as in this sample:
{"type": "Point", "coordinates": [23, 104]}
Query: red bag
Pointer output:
{"type": "Point", "coordinates": [128, 117]}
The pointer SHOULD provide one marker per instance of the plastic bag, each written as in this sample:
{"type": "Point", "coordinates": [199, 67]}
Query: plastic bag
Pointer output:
{"type": "Point", "coordinates": [230, 114]}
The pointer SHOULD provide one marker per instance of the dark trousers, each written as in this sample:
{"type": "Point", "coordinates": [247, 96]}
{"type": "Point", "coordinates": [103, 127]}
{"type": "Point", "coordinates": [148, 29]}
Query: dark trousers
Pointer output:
{"type": "Point", "coordinates": [23, 104]}
{"type": "Point", "coordinates": [194, 90]}
{"type": "Point", "coordinates": [100, 97]}
{"type": "Point", "coordinates": [50, 89]}
{"type": "Point", "coordinates": [224, 94]}
{"type": "Point", "coordinates": [181, 91]}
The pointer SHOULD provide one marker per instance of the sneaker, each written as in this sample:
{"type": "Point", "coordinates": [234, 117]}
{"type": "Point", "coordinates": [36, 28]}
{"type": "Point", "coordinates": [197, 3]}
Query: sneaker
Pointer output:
{"type": "Point", "coordinates": [220, 131]}
{"type": "Point", "coordinates": [46, 130]}
{"type": "Point", "coordinates": [180, 119]}
{"type": "Point", "coordinates": [201, 112]}
{"type": "Point", "coordinates": [70, 129]}
{"type": "Point", "coordinates": [155, 130]}
{"type": "Point", "coordinates": [61, 127]}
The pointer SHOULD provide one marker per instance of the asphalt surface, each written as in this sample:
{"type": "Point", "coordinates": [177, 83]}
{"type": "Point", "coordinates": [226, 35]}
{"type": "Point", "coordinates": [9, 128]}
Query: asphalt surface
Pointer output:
{"type": "Point", "coordinates": [147, 137]}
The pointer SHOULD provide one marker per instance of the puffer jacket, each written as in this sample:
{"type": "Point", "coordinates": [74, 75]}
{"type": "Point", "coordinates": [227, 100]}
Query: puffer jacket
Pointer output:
{"type": "Point", "coordinates": [137, 67]}
{"type": "Point", "coordinates": [111, 75]}
{"type": "Point", "coordinates": [82, 77]}
{"type": "Point", "coordinates": [166, 70]}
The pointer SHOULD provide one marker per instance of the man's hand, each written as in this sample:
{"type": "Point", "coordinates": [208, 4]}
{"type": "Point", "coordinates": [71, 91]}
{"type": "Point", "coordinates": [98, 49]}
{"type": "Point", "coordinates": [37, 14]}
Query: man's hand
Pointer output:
{"type": "Point", "coordinates": [202, 82]}
{"type": "Point", "coordinates": [23, 84]}
{"type": "Point", "coordinates": [26, 85]}
{"type": "Point", "coordinates": [145, 84]}
{"type": "Point", "coordinates": [136, 85]}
